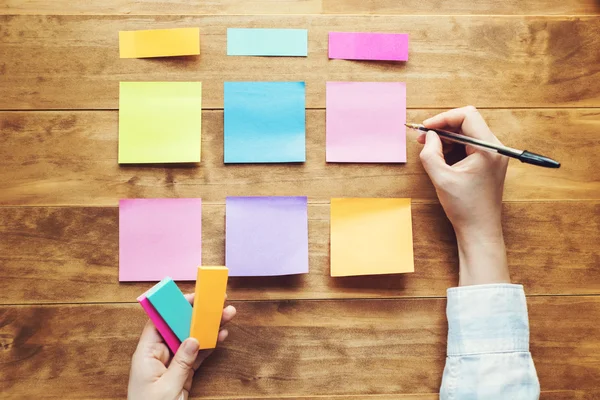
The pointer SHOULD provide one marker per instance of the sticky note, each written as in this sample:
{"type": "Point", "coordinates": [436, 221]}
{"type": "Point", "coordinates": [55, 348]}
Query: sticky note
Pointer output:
{"type": "Point", "coordinates": [172, 306]}
{"type": "Point", "coordinates": [159, 43]}
{"type": "Point", "coordinates": [365, 122]}
{"type": "Point", "coordinates": [266, 236]}
{"type": "Point", "coordinates": [368, 46]}
{"type": "Point", "coordinates": [161, 326]}
{"type": "Point", "coordinates": [267, 42]}
{"type": "Point", "coordinates": [160, 122]}
{"type": "Point", "coordinates": [211, 284]}
{"type": "Point", "coordinates": [371, 236]}
{"type": "Point", "coordinates": [159, 237]}
{"type": "Point", "coordinates": [264, 122]}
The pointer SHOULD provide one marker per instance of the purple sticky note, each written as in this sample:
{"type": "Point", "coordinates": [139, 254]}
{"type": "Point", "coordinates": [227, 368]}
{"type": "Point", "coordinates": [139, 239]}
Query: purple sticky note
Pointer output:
{"type": "Point", "coordinates": [266, 236]}
{"type": "Point", "coordinates": [368, 46]}
{"type": "Point", "coordinates": [159, 237]}
{"type": "Point", "coordinates": [365, 122]}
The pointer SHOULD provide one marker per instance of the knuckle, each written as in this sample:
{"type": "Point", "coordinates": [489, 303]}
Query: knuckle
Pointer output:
{"type": "Point", "coordinates": [183, 363]}
{"type": "Point", "coordinates": [425, 156]}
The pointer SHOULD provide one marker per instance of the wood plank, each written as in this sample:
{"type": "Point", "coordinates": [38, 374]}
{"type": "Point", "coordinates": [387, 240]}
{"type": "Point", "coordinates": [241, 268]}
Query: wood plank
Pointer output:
{"type": "Point", "coordinates": [70, 158]}
{"type": "Point", "coordinates": [484, 7]}
{"type": "Point", "coordinates": [227, 7]}
{"type": "Point", "coordinates": [50, 255]}
{"type": "Point", "coordinates": [71, 62]}
{"type": "Point", "coordinates": [278, 349]}
{"type": "Point", "coordinates": [187, 7]}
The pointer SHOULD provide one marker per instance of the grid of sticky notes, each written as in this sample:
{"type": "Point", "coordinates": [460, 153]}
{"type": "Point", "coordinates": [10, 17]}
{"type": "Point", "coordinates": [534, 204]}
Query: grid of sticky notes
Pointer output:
{"type": "Point", "coordinates": [174, 317]}
{"type": "Point", "coordinates": [263, 122]}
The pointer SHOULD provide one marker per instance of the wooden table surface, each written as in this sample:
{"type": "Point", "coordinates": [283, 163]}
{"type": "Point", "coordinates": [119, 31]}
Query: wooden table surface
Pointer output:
{"type": "Point", "coordinates": [68, 328]}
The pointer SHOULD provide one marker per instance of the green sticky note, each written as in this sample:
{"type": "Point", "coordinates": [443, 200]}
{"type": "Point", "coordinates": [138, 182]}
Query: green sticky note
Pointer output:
{"type": "Point", "coordinates": [160, 122]}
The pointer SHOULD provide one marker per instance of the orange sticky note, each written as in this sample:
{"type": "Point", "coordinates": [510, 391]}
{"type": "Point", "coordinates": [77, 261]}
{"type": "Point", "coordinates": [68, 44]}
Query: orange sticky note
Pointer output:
{"type": "Point", "coordinates": [159, 43]}
{"type": "Point", "coordinates": [371, 237]}
{"type": "Point", "coordinates": [211, 283]}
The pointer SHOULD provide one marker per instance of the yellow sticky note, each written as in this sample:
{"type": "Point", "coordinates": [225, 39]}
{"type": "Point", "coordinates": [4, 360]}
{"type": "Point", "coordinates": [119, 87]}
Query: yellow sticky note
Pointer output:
{"type": "Point", "coordinates": [371, 236]}
{"type": "Point", "coordinates": [159, 43]}
{"type": "Point", "coordinates": [211, 283]}
{"type": "Point", "coordinates": [160, 122]}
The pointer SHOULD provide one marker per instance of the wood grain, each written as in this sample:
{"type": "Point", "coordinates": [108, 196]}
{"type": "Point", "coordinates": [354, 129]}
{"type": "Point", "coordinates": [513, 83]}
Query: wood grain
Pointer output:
{"type": "Point", "coordinates": [227, 7]}
{"type": "Point", "coordinates": [72, 62]}
{"type": "Point", "coordinates": [70, 254]}
{"type": "Point", "coordinates": [70, 158]}
{"type": "Point", "coordinates": [278, 349]}
{"type": "Point", "coordinates": [484, 7]}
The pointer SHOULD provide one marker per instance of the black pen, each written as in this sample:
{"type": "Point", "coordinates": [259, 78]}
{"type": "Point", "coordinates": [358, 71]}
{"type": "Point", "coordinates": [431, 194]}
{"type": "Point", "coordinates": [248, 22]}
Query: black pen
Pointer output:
{"type": "Point", "coordinates": [521, 155]}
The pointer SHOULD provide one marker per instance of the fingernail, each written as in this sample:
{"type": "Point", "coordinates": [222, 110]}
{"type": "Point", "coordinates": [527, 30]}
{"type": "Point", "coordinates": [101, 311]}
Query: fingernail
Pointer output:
{"type": "Point", "coordinates": [191, 346]}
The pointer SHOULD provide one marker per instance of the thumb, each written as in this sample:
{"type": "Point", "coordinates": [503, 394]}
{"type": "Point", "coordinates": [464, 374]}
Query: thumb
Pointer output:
{"type": "Point", "coordinates": [432, 155]}
{"type": "Point", "coordinates": [181, 370]}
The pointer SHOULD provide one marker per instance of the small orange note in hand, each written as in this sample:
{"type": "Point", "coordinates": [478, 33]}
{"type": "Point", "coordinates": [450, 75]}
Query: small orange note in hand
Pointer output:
{"type": "Point", "coordinates": [371, 237]}
{"type": "Point", "coordinates": [159, 43]}
{"type": "Point", "coordinates": [211, 284]}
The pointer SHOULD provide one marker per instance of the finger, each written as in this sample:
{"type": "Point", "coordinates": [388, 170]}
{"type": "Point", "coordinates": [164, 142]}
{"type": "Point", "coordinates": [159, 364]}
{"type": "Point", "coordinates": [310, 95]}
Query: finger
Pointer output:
{"type": "Point", "coordinates": [432, 156]}
{"type": "Point", "coordinates": [181, 367]}
{"type": "Point", "coordinates": [190, 297]}
{"type": "Point", "coordinates": [149, 335]}
{"type": "Point", "coordinates": [228, 314]}
{"type": "Point", "coordinates": [204, 354]}
{"type": "Point", "coordinates": [421, 138]}
{"type": "Point", "coordinates": [223, 333]}
{"type": "Point", "coordinates": [467, 119]}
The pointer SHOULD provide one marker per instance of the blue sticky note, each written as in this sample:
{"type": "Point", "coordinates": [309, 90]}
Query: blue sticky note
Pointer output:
{"type": "Point", "coordinates": [267, 42]}
{"type": "Point", "coordinates": [264, 122]}
{"type": "Point", "coordinates": [172, 306]}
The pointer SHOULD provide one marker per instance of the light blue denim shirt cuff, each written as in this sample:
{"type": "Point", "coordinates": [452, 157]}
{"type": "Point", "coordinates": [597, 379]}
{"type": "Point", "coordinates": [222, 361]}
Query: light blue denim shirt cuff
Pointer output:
{"type": "Point", "coordinates": [487, 319]}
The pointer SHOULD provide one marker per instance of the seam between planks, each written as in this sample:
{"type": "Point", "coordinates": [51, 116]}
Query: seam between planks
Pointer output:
{"type": "Point", "coordinates": [288, 300]}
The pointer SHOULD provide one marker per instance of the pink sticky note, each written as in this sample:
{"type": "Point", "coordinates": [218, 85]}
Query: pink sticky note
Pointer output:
{"type": "Point", "coordinates": [368, 46]}
{"type": "Point", "coordinates": [159, 237]}
{"type": "Point", "coordinates": [160, 324]}
{"type": "Point", "coordinates": [365, 122]}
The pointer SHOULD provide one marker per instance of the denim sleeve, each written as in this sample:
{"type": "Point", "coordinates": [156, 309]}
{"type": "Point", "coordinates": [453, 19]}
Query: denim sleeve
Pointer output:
{"type": "Point", "coordinates": [488, 345]}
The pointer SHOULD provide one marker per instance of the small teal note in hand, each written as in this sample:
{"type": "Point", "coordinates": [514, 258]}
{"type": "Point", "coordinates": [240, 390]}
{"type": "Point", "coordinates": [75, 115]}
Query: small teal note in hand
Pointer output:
{"type": "Point", "coordinates": [267, 42]}
{"type": "Point", "coordinates": [265, 122]}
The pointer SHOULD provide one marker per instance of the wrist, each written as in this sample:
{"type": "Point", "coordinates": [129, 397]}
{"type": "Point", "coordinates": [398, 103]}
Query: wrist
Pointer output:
{"type": "Point", "coordinates": [482, 257]}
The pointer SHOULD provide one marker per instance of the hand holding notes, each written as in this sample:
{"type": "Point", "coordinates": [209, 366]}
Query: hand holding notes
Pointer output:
{"type": "Point", "coordinates": [470, 191]}
{"type": "Point", "coordinates": [156, 375]}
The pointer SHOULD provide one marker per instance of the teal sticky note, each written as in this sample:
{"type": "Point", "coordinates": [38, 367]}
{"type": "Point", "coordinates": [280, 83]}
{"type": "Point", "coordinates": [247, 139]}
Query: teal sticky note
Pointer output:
{"type": "Point", "coordinates": [267, 42]}
{"type": "Point", "coordinates": [264, 122]}
{"type": "Point", "coordinates": [172, 306]}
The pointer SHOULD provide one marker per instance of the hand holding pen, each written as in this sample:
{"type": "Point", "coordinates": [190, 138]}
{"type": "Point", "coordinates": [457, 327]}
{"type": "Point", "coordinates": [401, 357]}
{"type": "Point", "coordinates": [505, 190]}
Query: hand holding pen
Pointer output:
{"type": "Point", "coordinates": [471, 193]}
{"type": "Point", "coordinates": [521, 155]}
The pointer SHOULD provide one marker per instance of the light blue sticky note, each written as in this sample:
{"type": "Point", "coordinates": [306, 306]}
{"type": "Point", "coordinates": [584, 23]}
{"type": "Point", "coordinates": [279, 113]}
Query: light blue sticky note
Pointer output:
{"type": "Point", "coordinates": [172, 306]}
{"type": "Point", "coordinates": [267, 42]}
{"type": "Point", "coordinates": [264, 122]}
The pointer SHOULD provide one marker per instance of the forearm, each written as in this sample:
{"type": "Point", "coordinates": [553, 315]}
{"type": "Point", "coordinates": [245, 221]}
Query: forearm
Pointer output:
{"type": "Point", "coordinates": [482, 255]}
